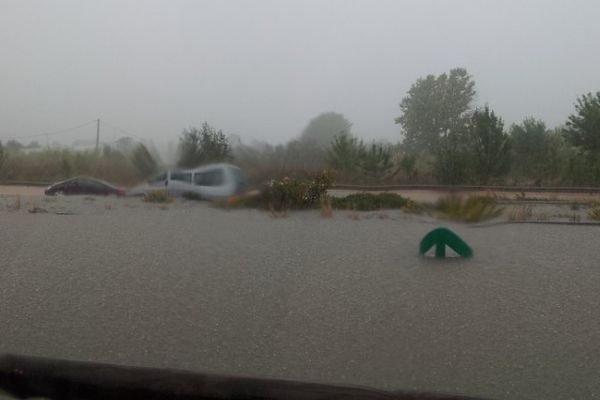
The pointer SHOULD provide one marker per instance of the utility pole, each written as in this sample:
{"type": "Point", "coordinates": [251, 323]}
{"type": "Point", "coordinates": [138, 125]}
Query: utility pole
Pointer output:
{"type": "Point", "coordinates": [97, 134]}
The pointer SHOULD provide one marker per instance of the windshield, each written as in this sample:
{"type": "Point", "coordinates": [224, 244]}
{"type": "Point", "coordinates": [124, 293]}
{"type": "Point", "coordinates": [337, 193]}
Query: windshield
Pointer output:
{"type": "Point", "coordinates": [397, 195]}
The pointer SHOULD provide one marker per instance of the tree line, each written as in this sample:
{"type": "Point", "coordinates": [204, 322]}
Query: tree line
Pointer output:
{"type": "Point", "coordinates": [445, 139]}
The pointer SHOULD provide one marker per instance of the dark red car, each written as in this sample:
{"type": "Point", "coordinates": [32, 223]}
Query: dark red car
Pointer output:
{"type": "Point", "coordinates": [84, 185]}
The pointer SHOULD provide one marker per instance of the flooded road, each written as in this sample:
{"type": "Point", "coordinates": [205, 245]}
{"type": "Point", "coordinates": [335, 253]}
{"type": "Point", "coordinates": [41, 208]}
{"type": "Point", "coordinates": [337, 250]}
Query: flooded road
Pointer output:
{"type": "Point", "coordinates": [341, 300]}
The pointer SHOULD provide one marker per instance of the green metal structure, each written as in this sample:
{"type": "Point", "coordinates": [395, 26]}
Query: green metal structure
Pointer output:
{"type": "Point", "coordinates": [442, 237]}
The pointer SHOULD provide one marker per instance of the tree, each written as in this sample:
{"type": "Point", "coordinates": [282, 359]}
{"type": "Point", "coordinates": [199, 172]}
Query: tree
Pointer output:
{"type": "Point", "coordinates": [13, 145]}
{"type": "Point", "coordinates": [143, 160]}
{"type": "Point", "coordinates": [324, 128]}
{"type": "Point", "coordinates": [1, 154]}
{"type": "Point", "coordinates": [345, 153]}
{"type": "Point", "coordinates": [33, 145]}
{"type": "Point", "coordinates": [583, 127]}
{"type": "Point", "coordinates": [434, 107]}
{"type": "Point", "coordinates": [376, 160]}
{"type": "Point", "coordinates": [530, 147]}
{"type": "Point", "coordinates": [305, 155]}
{"type": "Point", "coordinates": [451, 161]}
{"type": "Point", "coordinates": [489, 145]}
{"type": "Point", "coordinates": [201, 146]}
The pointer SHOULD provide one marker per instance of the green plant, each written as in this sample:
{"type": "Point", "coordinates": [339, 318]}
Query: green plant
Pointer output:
{"type": "Point", "coordinates": [157, 196]}
{"type": "Point", "coordinates": [191, 196]}
{"type": "Point", "coordinates": [143, 160]}
{"type": "Point", "coordinates": [471, 209]}
{"type": "Point", "coordinates": [520, 213]}
{"type": "Point", "coordinates": [245, 200]}
{"type": "Point", "coordinates": [325, 206]}
{"type": "Point", "coordinates": [370, 201]}
{"type": "Point", "coordinates": [296, 193]}
{"type": "Point", "coordinates": [594, 212]}
{"type": "Point", "coordinates": [204, 145]}
{"type": "Point", "coordinates": [17, 204]}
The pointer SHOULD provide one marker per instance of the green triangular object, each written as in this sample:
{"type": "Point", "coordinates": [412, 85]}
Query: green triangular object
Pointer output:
{"type": "Point", "coordinates": [442, 237]}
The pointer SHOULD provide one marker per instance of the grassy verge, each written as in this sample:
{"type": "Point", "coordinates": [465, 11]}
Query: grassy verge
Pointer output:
{"type": "Point", "coordinates": [157, 196]}
{"type": "Point", "coordinates": [471, 209]}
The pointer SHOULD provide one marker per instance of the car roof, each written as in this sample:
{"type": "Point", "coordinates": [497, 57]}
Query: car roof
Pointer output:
{"type": "Point", "coordinates": [88, 178]}
{"type": "Point", "coordinates": [205, 167]}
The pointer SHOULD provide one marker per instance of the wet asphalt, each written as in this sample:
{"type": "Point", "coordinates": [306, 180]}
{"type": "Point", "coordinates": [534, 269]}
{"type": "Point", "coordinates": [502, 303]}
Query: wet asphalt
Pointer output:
{"type": "Point", "coordinates": [341, 300]}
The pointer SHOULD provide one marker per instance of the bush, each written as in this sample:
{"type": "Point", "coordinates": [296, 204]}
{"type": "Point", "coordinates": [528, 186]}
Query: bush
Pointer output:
{"type": "Point", "coordinates": [246, 200]}
{"type": "Point", "coordinates": [473, 209]}
{"type": "Point", "coordinates": [594, 212]}
{"type": "Point", "coordinates": [296, 193]}
{"type": "Point", "coordinates": [157, 196]}
{"type": "Point", "coordinates": [191, 196]}
{"type": "Point", "coordinates": [370, 201]}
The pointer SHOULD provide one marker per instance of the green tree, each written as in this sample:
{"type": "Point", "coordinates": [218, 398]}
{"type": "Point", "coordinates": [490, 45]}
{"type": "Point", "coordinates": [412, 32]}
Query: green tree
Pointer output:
{"type": "Point", "coordinates": [376, 160]}
{"type": "Point", "coordinates": [531, 148]}
{"type": "Point", "coordinates": [583, 127]}
{"type": "Point", "coordinates": [34, 145]}
{"type": "Point", "coordinates": [560, 158]}
{"type": "Point", "coordinates": [302, 155]}
{"type": "Point", "coordinates": [13, 145]}
{"type": "Point", "coordinates": [451, 162]}
{"type": "Point", "coordinates": [582, 131]}
{"type": "Point", "coordinates": [1, 154]}
{"type": "Point", "coordinates": [323, 129]}
{"type": "Point", "coordinates": [201, 146]}
{"type": "Point", "coordinates": [489, 145]}
{"type": "Point", "coordinates": [435, 107]}
{"type": "Point", "coordinates": [345, 153]}
{"type": "Point", "coordinates": [408, 164]}
{"type": "Point", "coordinates": [143, 160]}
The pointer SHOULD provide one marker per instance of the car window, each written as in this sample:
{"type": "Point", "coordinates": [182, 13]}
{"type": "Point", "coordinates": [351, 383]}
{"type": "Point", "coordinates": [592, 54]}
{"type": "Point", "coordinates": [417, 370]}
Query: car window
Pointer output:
{"type": "Point", "coordinates": [213, 177]}
{"type": "Point", "coordinates": [181, 176]}
{"type": "Point", "coordinates": [159, 178]}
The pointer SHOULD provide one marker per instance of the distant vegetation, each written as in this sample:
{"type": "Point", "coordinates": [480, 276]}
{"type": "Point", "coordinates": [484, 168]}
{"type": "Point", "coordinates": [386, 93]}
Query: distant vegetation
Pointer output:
{"type": "Point", "coordinates": [125, 163]}
{"type": "Point", "coordinates": [446, 139]}
{"type": "Point", "coordinates": [203, 146]}
{"type": "Point", "coordinates": [157, 196]}
{"type": "Point", "coordinates": [470, 209]}
{"type": "Point", "coordinates": [371, 201]}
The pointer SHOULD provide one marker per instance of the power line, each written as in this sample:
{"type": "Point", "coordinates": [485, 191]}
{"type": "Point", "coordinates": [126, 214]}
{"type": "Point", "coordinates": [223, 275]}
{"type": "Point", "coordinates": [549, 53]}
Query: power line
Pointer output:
{"type": "Point", "coordinates": [53, 133]}
{"type": "Point", "coordinates": [122, 130]}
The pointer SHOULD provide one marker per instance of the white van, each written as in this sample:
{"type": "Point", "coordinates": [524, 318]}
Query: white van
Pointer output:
{"type": "Point", "coordinates": [211, 181]}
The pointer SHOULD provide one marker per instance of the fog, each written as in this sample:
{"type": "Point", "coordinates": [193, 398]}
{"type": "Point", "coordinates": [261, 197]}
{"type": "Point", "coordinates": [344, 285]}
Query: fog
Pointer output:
{"type": "Point", "coordinates": [263, 69]}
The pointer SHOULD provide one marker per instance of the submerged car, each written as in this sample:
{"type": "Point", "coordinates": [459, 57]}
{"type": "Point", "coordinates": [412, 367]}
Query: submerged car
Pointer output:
{"type": "Point", "coordinates": [211, 181]}
{"type": "Point", "coordinates": [84, 185]}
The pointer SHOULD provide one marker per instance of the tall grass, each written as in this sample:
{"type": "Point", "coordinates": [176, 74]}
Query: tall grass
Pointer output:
{"type": "Point", "coordinates": [56, 164]}
{"type": "Point", "coordinates": [471, 209]}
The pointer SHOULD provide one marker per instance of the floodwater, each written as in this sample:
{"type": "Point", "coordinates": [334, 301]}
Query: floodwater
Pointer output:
{"type": "Point", "coordinates": [342, 300]}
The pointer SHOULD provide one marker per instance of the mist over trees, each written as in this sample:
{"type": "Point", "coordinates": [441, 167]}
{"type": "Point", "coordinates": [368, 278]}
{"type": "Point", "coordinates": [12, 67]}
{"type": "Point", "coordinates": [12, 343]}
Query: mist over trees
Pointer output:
{"type": "Point", "coordinates": [324, 128]}
{"type": "Point", "coordinates": [444, 139]}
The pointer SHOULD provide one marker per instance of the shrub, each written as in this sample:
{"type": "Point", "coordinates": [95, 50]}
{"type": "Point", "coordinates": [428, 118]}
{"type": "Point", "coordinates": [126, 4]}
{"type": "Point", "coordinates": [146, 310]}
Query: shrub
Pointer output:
{"type": "Point", "coordinates": [473, 209]}
{"type": "Point", "coordinates": [191, 196]}
{"type": "Point", "coordinates": [246, 200]}
{"type": "Point", "coordinates": [157, 196]}
{"type": "Point", "coordinates": [370, 201]}
{"type": "Point", "coordinates": [296, 193]}
{"type": "Point", "coordinates": [325, 207]}
{"type": "Point", "coordinates": [594, 212]}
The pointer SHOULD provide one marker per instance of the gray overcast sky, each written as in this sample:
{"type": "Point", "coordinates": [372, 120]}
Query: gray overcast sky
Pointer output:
{"type": "Point", "coordinates": [262, 69]}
